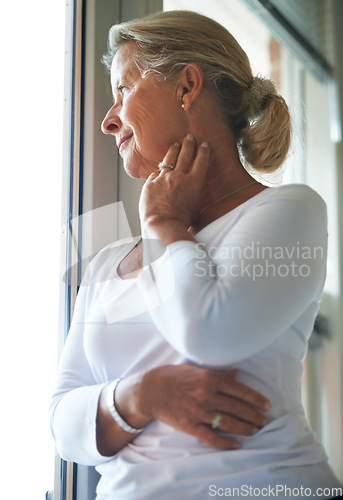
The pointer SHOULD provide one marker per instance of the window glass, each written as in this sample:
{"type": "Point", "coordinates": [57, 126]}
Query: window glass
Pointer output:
{"type": "Point", "coordinates": [32, 42]}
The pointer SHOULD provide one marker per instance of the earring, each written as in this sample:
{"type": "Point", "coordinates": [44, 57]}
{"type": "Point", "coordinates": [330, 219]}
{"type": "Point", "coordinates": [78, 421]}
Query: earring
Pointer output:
{"type": "Point", "coordinates": [183, 106]}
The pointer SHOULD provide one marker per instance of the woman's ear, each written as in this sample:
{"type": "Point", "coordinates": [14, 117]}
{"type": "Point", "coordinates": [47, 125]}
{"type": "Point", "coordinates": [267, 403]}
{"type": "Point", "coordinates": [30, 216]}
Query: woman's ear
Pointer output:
{"type": "Point", "coordinates": [190, 85]}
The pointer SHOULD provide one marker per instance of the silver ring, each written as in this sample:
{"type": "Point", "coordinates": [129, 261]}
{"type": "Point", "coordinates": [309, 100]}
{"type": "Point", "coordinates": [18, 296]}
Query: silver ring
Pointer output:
{"type": "Point", "coordinates": [162, 165]}
{"type": "Point", "coordinates": [216, 421]}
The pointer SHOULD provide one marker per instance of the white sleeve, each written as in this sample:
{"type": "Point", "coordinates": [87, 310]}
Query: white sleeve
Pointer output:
{"type": "Point", "coordinates": [74, 404]}
{"type": "Point", "coordinates": [269, 269]}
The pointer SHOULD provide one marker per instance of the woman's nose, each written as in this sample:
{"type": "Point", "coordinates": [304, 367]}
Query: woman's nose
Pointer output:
{"type": "Point", "coordinates": [111, 123]}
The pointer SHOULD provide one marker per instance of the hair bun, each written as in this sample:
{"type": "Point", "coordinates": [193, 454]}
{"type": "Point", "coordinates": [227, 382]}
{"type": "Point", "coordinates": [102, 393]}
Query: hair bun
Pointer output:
{"type": "Point", "coordinates": [259, 89]}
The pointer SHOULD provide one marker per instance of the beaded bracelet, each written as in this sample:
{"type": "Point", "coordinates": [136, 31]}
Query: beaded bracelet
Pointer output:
{"type": "Point", "coordinates": [112, 409]}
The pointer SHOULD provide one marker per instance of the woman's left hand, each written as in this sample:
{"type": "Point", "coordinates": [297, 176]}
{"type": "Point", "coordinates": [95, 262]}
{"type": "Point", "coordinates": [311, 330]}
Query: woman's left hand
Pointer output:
{"type": "Point", "coordinates": [168, 200]}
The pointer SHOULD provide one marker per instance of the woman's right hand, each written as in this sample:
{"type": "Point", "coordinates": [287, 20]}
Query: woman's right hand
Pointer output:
{"type": "Point", "coordinates": [189, 398]}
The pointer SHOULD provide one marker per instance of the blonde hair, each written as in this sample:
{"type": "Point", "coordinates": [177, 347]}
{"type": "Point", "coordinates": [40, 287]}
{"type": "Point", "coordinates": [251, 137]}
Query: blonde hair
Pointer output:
{"type": "Point", "coordinates": [257, 115]}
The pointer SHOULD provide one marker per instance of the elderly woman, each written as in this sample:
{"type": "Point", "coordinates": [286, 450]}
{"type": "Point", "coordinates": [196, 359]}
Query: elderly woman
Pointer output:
{"type": "Point", "coordinates": [160, 384]}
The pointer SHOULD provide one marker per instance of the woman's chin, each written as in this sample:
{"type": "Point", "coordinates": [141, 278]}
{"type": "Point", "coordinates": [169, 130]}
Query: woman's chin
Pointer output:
{"type": "Point", "coordinates": [131, 168]}
{"type": "Point", "coordinates": [141, 171]}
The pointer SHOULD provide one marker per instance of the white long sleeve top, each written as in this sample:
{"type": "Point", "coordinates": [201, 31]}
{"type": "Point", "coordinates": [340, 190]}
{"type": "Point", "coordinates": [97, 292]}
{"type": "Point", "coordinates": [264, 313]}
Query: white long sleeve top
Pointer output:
{"type": "Point", "coordinates": [244, 295]}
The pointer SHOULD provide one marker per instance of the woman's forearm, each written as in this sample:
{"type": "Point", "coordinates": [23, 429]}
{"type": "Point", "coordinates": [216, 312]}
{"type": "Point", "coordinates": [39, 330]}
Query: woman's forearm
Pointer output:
{"type": "Point", "coordinates": [110, 436]}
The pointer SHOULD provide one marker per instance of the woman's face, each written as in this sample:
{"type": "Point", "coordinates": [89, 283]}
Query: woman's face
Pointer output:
{"type": "Point", "coordinates": [146, 117]}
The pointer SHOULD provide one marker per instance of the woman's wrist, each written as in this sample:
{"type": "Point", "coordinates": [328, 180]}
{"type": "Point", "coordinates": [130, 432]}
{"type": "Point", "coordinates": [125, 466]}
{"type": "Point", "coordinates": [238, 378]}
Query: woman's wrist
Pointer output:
{"type": "Point", "coordinates": [127, 401]}
{"type": "Point", "coordinates": [111, 405]}
{"type": "Point", "coordinates": [166, 230]}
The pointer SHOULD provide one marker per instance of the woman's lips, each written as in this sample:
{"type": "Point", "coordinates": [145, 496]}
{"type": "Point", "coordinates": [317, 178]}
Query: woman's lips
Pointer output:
{"type": "Point", "coordinates": [123, 141]}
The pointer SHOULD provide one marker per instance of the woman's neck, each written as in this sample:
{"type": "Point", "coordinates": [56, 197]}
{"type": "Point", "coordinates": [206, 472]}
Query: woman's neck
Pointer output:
{"type": "Point", "coordinates": [227, 183]}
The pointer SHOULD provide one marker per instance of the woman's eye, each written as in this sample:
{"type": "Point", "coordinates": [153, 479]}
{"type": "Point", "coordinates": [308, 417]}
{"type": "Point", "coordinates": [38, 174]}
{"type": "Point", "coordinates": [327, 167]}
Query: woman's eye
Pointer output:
{"type": "Point", "coordinates": [122, 89]}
